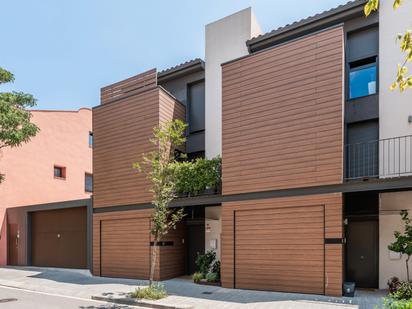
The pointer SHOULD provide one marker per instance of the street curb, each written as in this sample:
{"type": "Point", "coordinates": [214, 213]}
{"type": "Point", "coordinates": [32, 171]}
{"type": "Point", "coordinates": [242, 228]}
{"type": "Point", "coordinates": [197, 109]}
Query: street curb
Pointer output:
{"type": "Point", "coordinates": [135, 302]}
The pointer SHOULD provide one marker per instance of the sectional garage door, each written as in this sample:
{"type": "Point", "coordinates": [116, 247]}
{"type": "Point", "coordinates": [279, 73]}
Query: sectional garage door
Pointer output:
{"type": "Point", "coordinates": [59, 238]}
{"type": "Point", "coordinates": [125, 248]}
{"type": "Point", "coordinates": [280, 249]}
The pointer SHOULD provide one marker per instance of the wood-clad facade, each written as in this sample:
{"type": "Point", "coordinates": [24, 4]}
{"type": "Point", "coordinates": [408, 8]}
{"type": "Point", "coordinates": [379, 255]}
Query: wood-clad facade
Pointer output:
{"type": "Point", "coordinates": [282, 116]}
{"type": "Point", "coordinates": [282, 119]}
{"type": "Point", "coordinates": [280, 244]}
{"type": "Point", "coordinates": [122, 127]}
{"type": "Point", "coordinates": [121, 131]}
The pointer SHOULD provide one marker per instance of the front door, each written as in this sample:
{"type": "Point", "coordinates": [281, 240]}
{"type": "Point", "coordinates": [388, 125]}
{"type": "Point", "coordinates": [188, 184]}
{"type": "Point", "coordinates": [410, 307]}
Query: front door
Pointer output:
{"type": "Point", "coordinates": [195, 243]}
{"type": "Point", "coordinates": [13, 244]}
{"type": "Point", "coordinates": [362, 253]}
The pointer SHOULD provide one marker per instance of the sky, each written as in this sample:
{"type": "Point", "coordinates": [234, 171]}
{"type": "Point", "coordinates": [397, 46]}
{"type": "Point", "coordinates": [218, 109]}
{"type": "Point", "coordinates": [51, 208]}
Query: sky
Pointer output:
{"type": "Point", "coordinates": [64, 51]}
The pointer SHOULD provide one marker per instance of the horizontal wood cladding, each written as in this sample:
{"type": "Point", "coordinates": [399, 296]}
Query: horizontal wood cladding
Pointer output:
{"type": "Point", "coordinates": [267, 242]}
{"type": "Point", "coordinates": [121, 136]}
{"type": "Point", "coordinates": [125, 250]}
{"type": "Point", "coordinates": [121, 247]}
{"type": "Point", "coordinates": [172, 258]}
{"type": "Point", "coordinates": [133, 227]}
{"type": "Point", "coordinates": [283, 117]}
{"type": "Point", "coordinates": [128, 87]}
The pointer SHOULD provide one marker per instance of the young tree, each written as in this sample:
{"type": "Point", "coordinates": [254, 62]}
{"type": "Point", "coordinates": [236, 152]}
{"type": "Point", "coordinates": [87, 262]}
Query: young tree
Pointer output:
{"type": "Point", "coordinates": [403, 241]}
{"type": "Point", "coordinates": [15, 125]}
{"type": "Point", "coordinates": [403, 80]}
{"type": "Point", "coordinates": [158, 167]}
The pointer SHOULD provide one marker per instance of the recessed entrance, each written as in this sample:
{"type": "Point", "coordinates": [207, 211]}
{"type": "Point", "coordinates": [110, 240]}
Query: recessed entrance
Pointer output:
{"type": "Point", "coordinates": [362, 239]}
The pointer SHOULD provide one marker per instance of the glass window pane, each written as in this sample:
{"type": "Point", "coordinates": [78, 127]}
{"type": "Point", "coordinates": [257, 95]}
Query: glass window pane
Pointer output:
{"type": "Point", "coordinates": [90, 139]}
{"type": "Point", "coordinates": [58, 172]}
{"type": "Point", "coordinates": [362, 82]}
{"type": "Point", "coordinates": [88, 183]}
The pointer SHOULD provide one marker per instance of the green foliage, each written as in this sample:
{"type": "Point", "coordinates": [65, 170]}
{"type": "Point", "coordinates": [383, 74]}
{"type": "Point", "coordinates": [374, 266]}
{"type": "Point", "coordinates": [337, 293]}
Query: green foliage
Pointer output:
{"type": "Point", "coordinates": [212, 277]}
{"type": "Point", "coordinates": [197, 277]}
{"type": "Point", "coordinates": [204, 262]}
{"type": "Point", "coordinates": [403, 241]}
{"type": "Point", "coordinates": [216, 268]}
{"type": "Point", "coordinates": [154, 292]}
{"type": "Point", "coordinates": [390, 303]}
{"type": "Point", "coordinates": [194, 177]}
{"type": "Point", "coordinates": [15, 125]}
{"type": "Point", "coordinates": [156, 165]}
{"type": "Point", "coordinates": [403, 291]}
{"type": "Point", "coordinates": [370, 6]}
{"type": "Point", "coordinates": [403, 81]}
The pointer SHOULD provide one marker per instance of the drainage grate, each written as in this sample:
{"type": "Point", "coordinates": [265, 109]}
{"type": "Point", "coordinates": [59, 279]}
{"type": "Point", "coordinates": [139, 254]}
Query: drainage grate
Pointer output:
{"type": "Point", "coordinates": [207, 293]}
{"type": "Point", "coordinates": [7, 300]}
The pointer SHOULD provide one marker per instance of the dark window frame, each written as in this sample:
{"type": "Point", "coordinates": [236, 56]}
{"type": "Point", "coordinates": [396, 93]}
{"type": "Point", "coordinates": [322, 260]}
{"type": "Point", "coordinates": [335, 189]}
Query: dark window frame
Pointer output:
{"type": "Point", "coordinates": [62, 174]}
{"type": "Point", "coordinates": [361, 64]}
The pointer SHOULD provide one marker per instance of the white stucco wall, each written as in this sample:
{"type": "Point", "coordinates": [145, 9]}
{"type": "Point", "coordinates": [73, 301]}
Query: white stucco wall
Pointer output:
{"type": "Point", "coordinates": [389, 221]}
{"type": "Point", "coordinates": [394, 107]}
{"type": "Point", "coordinates": [225, 40]}
{"type": "Point", "coordinates": [213, 228]}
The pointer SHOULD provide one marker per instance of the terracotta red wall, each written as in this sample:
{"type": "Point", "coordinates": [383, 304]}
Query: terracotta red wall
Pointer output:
{"type": "Point", "coordinates": [29, 178]}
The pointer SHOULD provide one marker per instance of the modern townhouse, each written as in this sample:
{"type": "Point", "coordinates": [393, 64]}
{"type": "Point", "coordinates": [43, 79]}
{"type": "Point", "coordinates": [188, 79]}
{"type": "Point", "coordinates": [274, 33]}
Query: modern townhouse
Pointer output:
{"type": "Point", "coordinates": [316, 155]}
{"type": "Point", "coordinates": [47, 191]}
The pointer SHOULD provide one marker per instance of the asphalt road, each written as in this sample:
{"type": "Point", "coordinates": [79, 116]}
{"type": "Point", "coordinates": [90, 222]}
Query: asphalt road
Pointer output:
{"type": "Point", "coordinates": [12, 298]}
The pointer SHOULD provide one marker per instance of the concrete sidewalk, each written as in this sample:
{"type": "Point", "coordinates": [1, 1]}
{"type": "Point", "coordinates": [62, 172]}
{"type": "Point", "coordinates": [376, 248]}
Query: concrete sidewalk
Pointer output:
{"type": "Point", "coordinates": [81, 284]}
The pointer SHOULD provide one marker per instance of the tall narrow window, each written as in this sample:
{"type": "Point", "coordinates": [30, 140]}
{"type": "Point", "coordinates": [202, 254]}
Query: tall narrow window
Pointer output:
{"type": "Point", "coordinates": [91, 141]}
{"type": "Point", "coordinates": [88, 182]}
{"type": "Point", "coordinates": [59, 172]}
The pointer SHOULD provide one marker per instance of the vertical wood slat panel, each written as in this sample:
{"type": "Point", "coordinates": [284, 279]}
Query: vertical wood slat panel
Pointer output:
{"type": "Point", "coordinates": [279, 117]}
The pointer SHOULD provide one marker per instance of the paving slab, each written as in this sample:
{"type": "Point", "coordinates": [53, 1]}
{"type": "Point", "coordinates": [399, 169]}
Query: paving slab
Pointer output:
{"type": "Point", "coordinates": [182, 292]}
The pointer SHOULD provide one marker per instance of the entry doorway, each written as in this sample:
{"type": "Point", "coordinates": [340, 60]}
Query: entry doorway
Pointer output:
{"type": "Point", "coordinates": [362, 237]}
{"type": "Point", "coordinates": [195, 243]}
{"type": "Point", "coordinates": [195, 236]}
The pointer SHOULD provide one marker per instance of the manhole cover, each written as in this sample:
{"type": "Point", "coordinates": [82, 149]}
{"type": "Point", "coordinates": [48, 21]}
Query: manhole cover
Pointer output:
{"type": "Point", "coordinates": [6, 300]}
{"type": "Point", "coordinates": [207, 293]}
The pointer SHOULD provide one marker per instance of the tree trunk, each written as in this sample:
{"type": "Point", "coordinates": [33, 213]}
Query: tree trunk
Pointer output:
{"type": "Point", "coordinates": [153, 262]}
{"type": "Point", "coordinates": [407, 267]}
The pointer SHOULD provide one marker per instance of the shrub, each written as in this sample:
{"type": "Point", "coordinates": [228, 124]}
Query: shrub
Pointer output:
{"type": "Point", "coordinates": [216, 268]}
{"type": "Point", "coordinates": [154, 292]}
{"type": "Point", "coordinates": [197, 277]}
{"type": "Point", "coordinates": [196, 176]}
{"type": "Point", "coordinates": [390, 303]}
{"type": "Point", "coordinates": [393, 284]}
{"type": "Point", "coordinates": [204, 261]}
{"type": "Point", "coordinates": [212, 277]}
{"type": "Point", "coordinates": [403, 292]}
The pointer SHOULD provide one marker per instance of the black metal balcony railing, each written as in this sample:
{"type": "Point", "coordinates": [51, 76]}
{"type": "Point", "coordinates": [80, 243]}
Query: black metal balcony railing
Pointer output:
{"type": "Point", "coordinates": [385, 158]}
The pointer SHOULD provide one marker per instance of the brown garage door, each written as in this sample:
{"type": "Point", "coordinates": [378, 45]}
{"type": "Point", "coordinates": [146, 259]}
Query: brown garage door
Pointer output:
{"type": "Point", "coordinates": [59, 238]}
{"type": "Point", "coordinates": [280, 249]}
{"type": "Point", "coordinates": [125, 249]}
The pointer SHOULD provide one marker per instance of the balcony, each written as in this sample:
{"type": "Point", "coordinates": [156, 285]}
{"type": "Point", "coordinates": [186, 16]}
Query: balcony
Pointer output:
{"type": "Point", "coordinates": [385, 158]}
